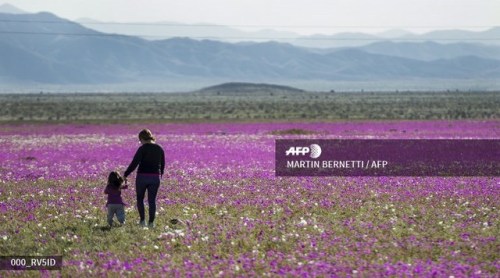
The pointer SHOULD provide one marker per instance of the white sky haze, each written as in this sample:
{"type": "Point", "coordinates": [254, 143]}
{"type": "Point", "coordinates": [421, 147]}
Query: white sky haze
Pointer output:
{"type": "Point", "coordinates": [301, 16]}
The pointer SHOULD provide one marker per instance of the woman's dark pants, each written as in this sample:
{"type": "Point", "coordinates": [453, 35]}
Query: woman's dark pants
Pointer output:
{"type": "Point", "coordinates": [151, 184]}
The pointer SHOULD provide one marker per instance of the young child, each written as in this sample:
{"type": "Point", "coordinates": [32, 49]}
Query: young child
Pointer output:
{"type": "Point", "coordinates": [115, 203]}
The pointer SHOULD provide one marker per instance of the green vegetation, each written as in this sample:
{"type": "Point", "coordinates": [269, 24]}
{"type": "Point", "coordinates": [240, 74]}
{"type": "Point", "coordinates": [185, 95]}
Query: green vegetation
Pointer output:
{"type": "Point", "coordinates": [292, 131]}
{"type": "Point", "coordinates": [259, 105]}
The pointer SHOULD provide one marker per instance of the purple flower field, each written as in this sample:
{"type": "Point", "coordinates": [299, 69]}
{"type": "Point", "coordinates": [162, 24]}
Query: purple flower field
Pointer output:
{"type": "Point", "coordinates": [236, 217]}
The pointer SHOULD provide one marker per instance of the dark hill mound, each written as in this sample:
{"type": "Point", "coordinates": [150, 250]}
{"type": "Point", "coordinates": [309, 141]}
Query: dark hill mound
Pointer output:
{"type": "Point", "coordinates": [248, 88]}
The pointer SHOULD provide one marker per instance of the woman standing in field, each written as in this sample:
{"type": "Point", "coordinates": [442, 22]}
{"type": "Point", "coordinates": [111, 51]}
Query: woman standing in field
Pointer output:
{"type": "Point", "coordinates": [151, 161]}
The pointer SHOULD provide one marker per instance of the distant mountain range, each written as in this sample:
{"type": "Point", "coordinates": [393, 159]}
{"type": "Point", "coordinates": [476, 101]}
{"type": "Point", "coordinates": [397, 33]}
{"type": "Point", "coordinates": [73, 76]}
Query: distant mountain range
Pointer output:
{"type": "Point", "coordinates": [428, 51]}
{"type": "Point", "coordinates": [166, 30]}
{"type": "Point", "coordinates": [490, 37]}
{"type": "Point", "coordinates": [43, 48]}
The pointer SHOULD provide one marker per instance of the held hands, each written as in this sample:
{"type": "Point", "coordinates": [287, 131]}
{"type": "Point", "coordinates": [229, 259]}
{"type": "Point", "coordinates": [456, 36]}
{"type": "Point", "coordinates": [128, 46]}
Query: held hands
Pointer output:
{"type": "Point", "coordinates": [125, 182]}
{"type": "Point", "coordinates": [124, 185]}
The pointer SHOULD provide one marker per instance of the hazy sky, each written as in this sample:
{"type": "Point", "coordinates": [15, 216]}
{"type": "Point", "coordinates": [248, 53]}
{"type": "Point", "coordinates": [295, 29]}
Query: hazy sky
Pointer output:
{"type": "Point", "coordinates": [302, 16]}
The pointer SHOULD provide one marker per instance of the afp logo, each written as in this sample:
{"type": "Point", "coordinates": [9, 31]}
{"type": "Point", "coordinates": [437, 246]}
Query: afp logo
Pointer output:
{"type": "Point", "coordinates": [314, 151]}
